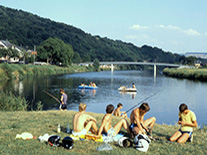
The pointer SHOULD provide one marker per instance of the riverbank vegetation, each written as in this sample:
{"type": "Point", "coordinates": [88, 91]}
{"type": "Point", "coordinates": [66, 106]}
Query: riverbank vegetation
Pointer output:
{"type": "Point", "coordinates": [42, 122]}
{"type": "Point", "coordinates": [19, 71]}
{"type": "Point", "coordinates": [187, 73]}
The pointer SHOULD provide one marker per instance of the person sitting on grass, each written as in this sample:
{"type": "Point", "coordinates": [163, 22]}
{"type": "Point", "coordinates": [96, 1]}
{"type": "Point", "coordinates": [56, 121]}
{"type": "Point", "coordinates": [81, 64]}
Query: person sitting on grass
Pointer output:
{"type": "Point", "coordinates": [119, 113]}
{"type": "Point", "coordinates": [106, 126]}
{"type": "Point", "coordinates": [187, 120]}
{"type": "Point", "coordinates": [138, 125]}
{"type": "Point", "coordinates": [82, 122]}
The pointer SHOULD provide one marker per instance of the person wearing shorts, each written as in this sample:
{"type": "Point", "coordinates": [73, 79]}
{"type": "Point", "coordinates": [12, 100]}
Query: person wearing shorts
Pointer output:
{"type": "Point", "coordinates": [187, 120]}
{"type": "Point", "coordinates": [106, 126]}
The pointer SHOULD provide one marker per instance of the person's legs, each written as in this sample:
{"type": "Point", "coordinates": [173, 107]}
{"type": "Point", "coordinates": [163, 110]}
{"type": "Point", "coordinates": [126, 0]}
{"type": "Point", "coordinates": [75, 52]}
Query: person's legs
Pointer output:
{"type": "Point", "coordinates": [183, 138]}
{"type": "Point", "coordinates": [122, 123]}
{"type": "Point", "coordinates": [175, 136]}
{"type": "Point", "coordinates": [91, 124]}
{"type": "Point", "coordinates": [150, 122]}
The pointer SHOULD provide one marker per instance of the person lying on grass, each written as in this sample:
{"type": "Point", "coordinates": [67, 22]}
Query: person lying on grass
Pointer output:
{"type": "Point", "coordinates": [187, 120]}
{"type": "Point", "coordinates": [82, 123]}
{"type": "Point", "coordinates": [119, 113]}
{"type": "Point", "coordinates": [106, 126]}
{"type": "Point", "coordinates": [137, 120]}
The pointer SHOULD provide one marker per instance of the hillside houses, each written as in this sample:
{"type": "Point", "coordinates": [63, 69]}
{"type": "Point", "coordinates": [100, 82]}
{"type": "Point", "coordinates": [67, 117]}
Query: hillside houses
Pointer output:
{"type": "Point", "coordinates": [5, 44]}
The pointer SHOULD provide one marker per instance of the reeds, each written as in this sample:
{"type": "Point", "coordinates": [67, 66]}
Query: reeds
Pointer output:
{"type": "Point", "coordinates": [192, 74]}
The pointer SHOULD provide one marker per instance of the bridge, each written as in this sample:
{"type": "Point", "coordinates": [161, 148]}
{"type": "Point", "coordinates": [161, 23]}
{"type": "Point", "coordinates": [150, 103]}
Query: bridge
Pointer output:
{"type": "Point", "coordinates": [112, 63]}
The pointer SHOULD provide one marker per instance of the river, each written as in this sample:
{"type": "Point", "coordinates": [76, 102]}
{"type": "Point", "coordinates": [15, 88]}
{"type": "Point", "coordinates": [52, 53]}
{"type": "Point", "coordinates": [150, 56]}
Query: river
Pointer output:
{"type": "Point", "coordinates": [166, 94]}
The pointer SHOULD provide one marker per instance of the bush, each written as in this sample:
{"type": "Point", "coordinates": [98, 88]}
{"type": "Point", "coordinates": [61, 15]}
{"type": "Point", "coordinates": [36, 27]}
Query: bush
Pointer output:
{"type": "Point", "coordinates": [9, 102]}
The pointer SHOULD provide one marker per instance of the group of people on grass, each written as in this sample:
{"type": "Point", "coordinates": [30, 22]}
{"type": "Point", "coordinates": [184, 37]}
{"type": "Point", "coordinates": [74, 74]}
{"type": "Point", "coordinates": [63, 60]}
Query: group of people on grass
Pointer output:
{"type": "Point", "coordinates": [83, 123]}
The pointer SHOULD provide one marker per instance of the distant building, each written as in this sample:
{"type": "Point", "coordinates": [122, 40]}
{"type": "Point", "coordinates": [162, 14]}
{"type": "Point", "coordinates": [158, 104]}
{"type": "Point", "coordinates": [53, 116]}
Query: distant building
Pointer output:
{"type": "Point", "coordinates": [5, 44]}
{"type": "Point", "coordinates": [197, 55]}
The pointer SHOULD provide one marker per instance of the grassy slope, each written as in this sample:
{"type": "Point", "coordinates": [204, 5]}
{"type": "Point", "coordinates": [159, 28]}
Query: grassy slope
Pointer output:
{"type": "Point", "coordinates": [41, 122]}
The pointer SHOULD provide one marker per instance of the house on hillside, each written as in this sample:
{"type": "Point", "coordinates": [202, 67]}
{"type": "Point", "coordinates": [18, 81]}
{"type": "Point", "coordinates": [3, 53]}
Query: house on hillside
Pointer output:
{"type": "Point", "coordinates": [5, 44]}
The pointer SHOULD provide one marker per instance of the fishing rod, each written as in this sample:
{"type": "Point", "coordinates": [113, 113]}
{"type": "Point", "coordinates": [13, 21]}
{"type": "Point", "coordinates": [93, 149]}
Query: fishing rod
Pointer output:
{"type": "Point", "coordinates": [51, 96]}
{"type": "Point", "coordinates": [141, 102]}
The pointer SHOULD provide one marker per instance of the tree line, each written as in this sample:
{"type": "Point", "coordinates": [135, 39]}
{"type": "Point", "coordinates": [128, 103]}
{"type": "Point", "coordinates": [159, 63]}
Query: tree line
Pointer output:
{"type": "Point", "coordinates": [70, 44]}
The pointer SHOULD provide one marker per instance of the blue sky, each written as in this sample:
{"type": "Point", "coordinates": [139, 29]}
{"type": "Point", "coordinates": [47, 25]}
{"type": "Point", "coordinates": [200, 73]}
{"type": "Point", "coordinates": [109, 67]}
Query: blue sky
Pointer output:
{"type": "Point", "coordinates": [176, 26]}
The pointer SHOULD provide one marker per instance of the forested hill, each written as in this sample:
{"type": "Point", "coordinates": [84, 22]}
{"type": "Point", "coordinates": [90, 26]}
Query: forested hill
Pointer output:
{"type": "Point", "coordinates": [26, 29]}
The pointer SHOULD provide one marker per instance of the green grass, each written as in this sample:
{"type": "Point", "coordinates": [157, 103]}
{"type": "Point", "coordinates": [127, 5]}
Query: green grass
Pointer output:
{"type": "Point", "coordinates": [41, 122]}
{"type": "Point", "coordinates": [193, 74]}
{"type": "Point", "coordinates": [19, 71]}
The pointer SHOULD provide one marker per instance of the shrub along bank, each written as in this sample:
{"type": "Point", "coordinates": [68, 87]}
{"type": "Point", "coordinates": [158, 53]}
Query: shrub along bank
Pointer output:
{"type": "Point", "coordinates": [192, 74]}
{"type": "Point", "coordinates": [19, 71]}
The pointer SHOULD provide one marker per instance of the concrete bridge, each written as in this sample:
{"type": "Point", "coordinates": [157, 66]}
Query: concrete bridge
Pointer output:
{"type": "Point", "coordinates": [112, 63]}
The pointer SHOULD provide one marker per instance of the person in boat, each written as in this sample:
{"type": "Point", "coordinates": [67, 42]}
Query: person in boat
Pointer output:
{"type": "Point", "coordinates": [93, 84]}
{"type": "Point", "coordinates": [119, 113]}
{"type": "Point", "coordinates": [106, 126]}
{"type": "Point", "coordinates": [82, 122]}
{"type": "Point", "coordinates": [63, 100]}
{"type": "Point", "coordinates": [187, 120]}
{"type": "Point", "coordinates": [122, 87]}
{"type": "Point", "coordinates": [138, 124]}
{"type": "Point", "coordinates": [133, 85]}
{"type": "Point", "coordinates": [82, 84]}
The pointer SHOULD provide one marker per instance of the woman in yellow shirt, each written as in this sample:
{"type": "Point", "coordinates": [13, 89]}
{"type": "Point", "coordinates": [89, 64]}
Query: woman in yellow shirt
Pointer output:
{"type": "Point", "coordinates": [187, 120]}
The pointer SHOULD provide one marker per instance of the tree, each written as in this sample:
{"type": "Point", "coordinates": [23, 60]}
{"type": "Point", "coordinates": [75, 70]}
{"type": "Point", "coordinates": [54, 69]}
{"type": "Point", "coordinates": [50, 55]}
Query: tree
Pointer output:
{"type": "Point", "coordinates": [76, 58]}
{"type": "Point", "coordinates": [24, 54]}
{"type": "Point", "coordinates": [3, 52]}
{"type": "Point", "coordinates": [191, 60]}
{"type": "Point", "coordinates": [12, 53]}
{"type": "Point", "coordinates": [96, 65]}
{"type": "Point", "coordinates": [55, 51]}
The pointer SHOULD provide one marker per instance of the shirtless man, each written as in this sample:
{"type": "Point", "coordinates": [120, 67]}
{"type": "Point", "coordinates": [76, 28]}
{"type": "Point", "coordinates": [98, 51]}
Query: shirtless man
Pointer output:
{"type": "Point", "coordinates": [106, 126]}
{"type": "Point", "coordinates": [82, 122]}
{"type": "Point", "coordinates": [119, 113]}
{"type": "Point", "coordinates": [138, 125]}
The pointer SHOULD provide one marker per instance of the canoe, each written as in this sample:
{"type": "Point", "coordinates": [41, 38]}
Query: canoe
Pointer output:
{"type": "Point", "coordinates": [127, 89]}
{"type": "Point", "coordinates": [87, 87]}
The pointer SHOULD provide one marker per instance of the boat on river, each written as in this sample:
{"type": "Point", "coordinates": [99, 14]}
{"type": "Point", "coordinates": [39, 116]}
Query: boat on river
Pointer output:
{"type": "Point", "coordinates": [124, 89]}
{"type": "Point", "coordinates": [87, 87]}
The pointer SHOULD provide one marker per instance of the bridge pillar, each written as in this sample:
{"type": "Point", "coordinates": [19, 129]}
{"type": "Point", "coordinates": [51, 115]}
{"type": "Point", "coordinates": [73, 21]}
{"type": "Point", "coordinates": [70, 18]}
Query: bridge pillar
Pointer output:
{"type": "Point", "coordinates": [112, 67]}
{"type": "Point", "coordinates": [155, 70]}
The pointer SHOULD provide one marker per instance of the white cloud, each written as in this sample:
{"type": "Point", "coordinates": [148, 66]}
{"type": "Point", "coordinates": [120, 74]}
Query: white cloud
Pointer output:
{"type": "Point", "coordinates": [138, 27]}
{"type": "Point", "coordinates": [206, 34]}
{"type": "Point", "coordinates": [131, 37]}
{"type": "Point", "coordinates": [172, 27]}
{"type": "Point", "coordinates": [191, 32]}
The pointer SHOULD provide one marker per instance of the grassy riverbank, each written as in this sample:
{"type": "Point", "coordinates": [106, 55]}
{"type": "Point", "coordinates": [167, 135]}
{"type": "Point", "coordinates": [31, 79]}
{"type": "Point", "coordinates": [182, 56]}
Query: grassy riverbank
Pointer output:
{"type": "Point", "coordinates": [19, 71]}
{"type": "Point", "coordinates": [41, 122]}
{"type": "Point", "coordinates": [192, 74]}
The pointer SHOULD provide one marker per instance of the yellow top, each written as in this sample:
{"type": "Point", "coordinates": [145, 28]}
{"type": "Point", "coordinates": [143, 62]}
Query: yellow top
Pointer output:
{"type": "Point", "coordinates": [189, 117]}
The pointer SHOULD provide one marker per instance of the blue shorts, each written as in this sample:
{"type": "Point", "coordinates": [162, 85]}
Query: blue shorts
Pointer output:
{"type": "Point", "coordinates": [188, 132]}
{"type": "Point", "coordinates": [131, 127]}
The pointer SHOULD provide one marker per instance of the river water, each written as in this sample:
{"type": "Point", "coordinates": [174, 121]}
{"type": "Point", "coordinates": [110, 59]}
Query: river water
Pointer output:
{"type": "Point", "coordinates": [166, 94]}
